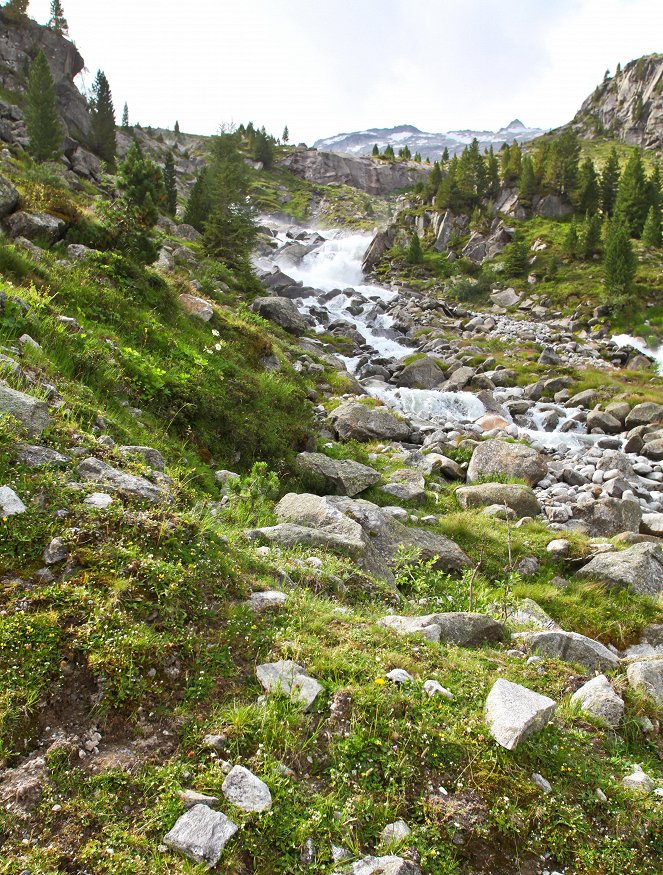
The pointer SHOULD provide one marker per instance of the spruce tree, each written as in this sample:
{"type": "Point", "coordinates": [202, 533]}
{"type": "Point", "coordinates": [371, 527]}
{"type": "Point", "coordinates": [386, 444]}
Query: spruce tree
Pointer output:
{"type": "Point", "coordinates": [125, 116]}
{"type": "Point", "coordinates": [591, 237]}
{"type": "Point", "coordinates": [199, 203]}
{"type": "Point", "coordinates": [516, 257]}
{"type": "Point", "coordinates": [561, 167]}
{"type": "Point", "coordinates": [414, 252]}
{"type": "Point", "coordinates": [633, 195]}
{"type": "Point", "coordinates": [619, 262]}
{"type": "Point", "coordinates": [286, 135]}
{"type": "Point", "coordinates": [511, 157]}
{"type": "Point", "coordinates": [588, 194]}
{"type": "Point", "coordinates": [263, 149]}
{"type": "Point", "coordinates": [527, 184]}
{"type": "Point", "coordinates": [45, 131]}
{"type": "Point", "coordinates": [376, 151]}
{"type": "Point", "coordinates": [141, 182]}
{"type": "Point", "coordinates": [654, 193]}
{"type": "Point", "coordinates": [16, 10]}
{"type": "Point", "coordinates": [102, 118]}
{"type": "Point", "coordinates": [448, 193]}
{"type": "Point", "coordinates": [609, 183]}
{"type": "Point", "coordinates": [389, 152]}
{"type": "Point", "coordinates": [433, 181]}
{"type": "Point", "coordinates": [445, 155]}
{"type": "Point", "coordinates": [570, 246]}
{"type": "Point", "coordinates": [170, 184]}
{"type": "Point", "coordinates": [492, 174]}
{"type": "Point", "coordinates": [177, 127]}
{"type": "Point", "coordinates": [651, 233]}
{"type": "Point", "coordinates": [57, 21]}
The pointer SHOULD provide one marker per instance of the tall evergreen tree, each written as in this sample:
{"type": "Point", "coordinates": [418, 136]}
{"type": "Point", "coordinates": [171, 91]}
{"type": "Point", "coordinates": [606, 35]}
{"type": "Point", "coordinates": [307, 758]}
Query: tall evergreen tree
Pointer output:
{"type": "Point", "coordinates": [588, 194]}
{"type": "Point", "coordinates": [102, 118]}
{"type": "Point", "coordinates": [230, 228]}
{"type": "Point", "coordinates": [170, 184]}
{"type": "Point", "coordinates": [511, 159]}
{"type": "Point", "coordinates": [177, 127]}
{"type": "Point", "coordinates": [433, 181]}
{"type": "Point", "coordinates": [263, 149]}
{"type": "Point", "coordinates": [57, 21]}
{"type": "Point", "coordinates": [45, 131]}
{"type": "Point", "coordinates": [16, 10]}
{"type": "Point", "coordinates": [445, 155]}
{"type": "Point", "coordinates": [448, 194]}
{"type": "Point", "coordinates": [633, 196]}
{"type": "Point", "coordinates": [125, 116]}
{"type": "Point", "coordinates": [285, 136]}
{"type": "Point", "coordinates": [492, 174]}
{"type": "Point", "coordinates": [591, 236]}
{"type": "Point", "coordinates": [619, 262]}
{"type": "Point", "coordinates": [571, 244]}
{"type": "Point", "coordinates": [527, 184]}
{"type": "Point", "coordinates": [389, 152]}
{"type": "Point", "coordinates": [516, 257]}
{"type": "Point", "coordinates": [376, 151]}
{"type": "Point", "coordinates": [141, 182]}
{"type": "Point", "coordinates": [651, 233]}
{"type": "Point", "coordinates": [414, 252]}
{"type": "Point", "coordinates": [561, 169]}
{"type": "Point", "coordinates": [471, 175]}
{"type": "Point", "coordinates": [654, 193]}
{"type": "Point", "coordinates": [609, 183]}
{"type": "Point", "coordinates": [199, 203]}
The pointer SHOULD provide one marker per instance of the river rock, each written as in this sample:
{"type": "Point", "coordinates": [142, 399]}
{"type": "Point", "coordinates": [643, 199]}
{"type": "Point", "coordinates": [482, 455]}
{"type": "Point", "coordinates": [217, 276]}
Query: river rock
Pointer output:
{"type": "Point", "coordinates": [571, 647]}
{"type": "Point", "coordinates": [640, 568]}
{"type": "Point", "coordinates": [598, 698]}
{"type": "Point", "coordinates": [36, 227]}
{"type": "Point", "coordinates": [39, 457]}
{"type": "Point", "coordinates": [652, 524]}
{"type": "Point", "coordinates": [436, 463]}
{"type": "Point", "coordinates": [639, 781]}
{"type": "Point", "coordinates": [603, 421]}
{"type": "Point", "coordinates": [389, 865]}
{"type": "Point", "coordinates": [10, 503]}
{"type": "Point", "coordinates": [289, 679]}
{"type": "Point", "coordinates": [201, 834]}
{"type": "Point", "coordinates": [97, 471]}
{"type": "Point", "coordinates": [462, 628]}
{"type": "Point", "coordinates": [246, 791]}
{"type": "Point", "coordinates": [406, 485]}
{"type": "Point", "coordinates": [355, 421]}
{"type": "Point", "coordinates": [32, 412]}
{"type": "Point", "coordinates": [283, 312]}
{"type": "Point", "coordinates": [647, 675]}
{"type": "Point", "coordinates": [425, 373]}
{"type": "Point", "coordinates": [646, 413]}
{"type": "Point", "coordinates": [610, 516]}
{"type": "Point", "coordinates": [345, 476]}
{"type": "Point", "coordinates": [197, 307]}
{"type": "Point", "coordinates": [495, 457]}
{"type": "Point", "coordinates": [521, 499]}
{"type": "Point", "coordinates": [514, 712]}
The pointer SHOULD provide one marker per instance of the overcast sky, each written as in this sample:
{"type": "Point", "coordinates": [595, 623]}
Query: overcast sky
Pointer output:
{"type": "Point", "coordinates": [328, 67]}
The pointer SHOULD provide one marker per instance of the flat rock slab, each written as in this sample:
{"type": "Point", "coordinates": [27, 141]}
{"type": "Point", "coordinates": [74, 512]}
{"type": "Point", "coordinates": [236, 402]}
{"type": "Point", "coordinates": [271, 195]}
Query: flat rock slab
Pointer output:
{"type": "Point", "coordinates": [345, 476]}
{"type": "Point", "coordinates": [571, 647]}
{"type": "Point", "coordinates": [513, 712]}
{"type": "Point", "coordinates": [31, 412]}
{"type": "Point", "coordinates": [639, 568]}
{"type": "Point", "coordinates": [246, 790]}
{"type": "Point", "coordinates": [99, 472]}
{"type": "Point", "coordinates": [201, 834]}
{"type": "Point", "coordinates": [598, 698]}
{"type": "Point", "coordinates": [10, 503]}
{"type": "Point", "coordinates": [289, 679]}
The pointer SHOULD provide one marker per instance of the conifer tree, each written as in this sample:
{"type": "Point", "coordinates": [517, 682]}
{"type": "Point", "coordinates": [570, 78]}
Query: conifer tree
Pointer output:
{"type": "Point", "coordinates": [632, 201]}
{"type": "Point", "coordinates": [417, 157]}
{"type": "Point", "coordinates": [177, 127]}
{"type": "Point", "coordinates": [570, 245]}
{"type": "Point", "coordinates": [414, 252]}
{"type": "Point", "coordinates": [561, 167]}
{"type": "Point", "coordinates": [45, 131]}
{"type": "Point", "coordinates": [651, 233]}
{"type": "Point", "coordinates": [170, 184]}
{"type": "Point", "coordinates": [511, 158]}
{"type": "Point", "coordinates": [389, 152]}
{"type": "Point", "coordinates": [376, 151]}
{"type": "Point", "coordinates": [285, 136]}
{"type": "Point", "coordinates": [619, 262]}
{"type": "Point", "coordinates": [609, 183]}
{"type": "Point", "coordinates": [445, 155]}
{"type": "Point", "coordinates": [16, 10]}
{"type": "Point", "coordinates": [125, 116]}
{"type": "Point", "coordinates": [102, 118]}
{"type": "Point", "coordinates": [527, 184]}
{"type": "Point", "coordinates": [654, 193]}
{"type": "Point", "coordinates": [591, 237]}
{"type": "Point", "coordinates": [199, 203]}
{"type": "Point", "coordinates": [141, 182]}
{"type": "Point", "coordinates": [588, 194]}
{"type": "Point", "coordinates": [57, 21]}
{"type": "Point", "coordinates": [492, 174]}
{"type": "Point", "coordinates": [433, 180]}
{"type": "Point", "coordinates": [448, 193]}
{"type": "Point", "coordinates": [263, 149]}
{"type": "Point", "coordinates": [517, 256]}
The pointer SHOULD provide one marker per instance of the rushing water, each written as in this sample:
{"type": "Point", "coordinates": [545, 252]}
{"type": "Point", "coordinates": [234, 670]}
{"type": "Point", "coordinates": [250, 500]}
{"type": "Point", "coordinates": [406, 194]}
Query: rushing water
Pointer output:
{"type": "Point", "coordinates": [639, 344]}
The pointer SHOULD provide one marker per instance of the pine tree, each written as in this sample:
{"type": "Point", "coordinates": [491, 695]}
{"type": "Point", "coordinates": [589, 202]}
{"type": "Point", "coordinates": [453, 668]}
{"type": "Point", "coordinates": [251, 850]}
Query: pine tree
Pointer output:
{"type": "Point", "coordinates": [199, 203]}
{"type": "Point", "coordinates": [492, 175]}
{"type": "Point", "coordinates": [619, 262]}
{"type": "Point", "coordinates": [263, 149]}
{"type": "Point", "coordinates": [588, 194]}
{"type": "Point", "coordinates": [141, 182]}
{"type": "Point", "coordinates": [376, 151]}
{"type": "Point", "coordinates": [591, 237]}
{"type": "Point", "coordinates": [177, 127]}
{"type": "Point", "coordinates": [102, 118]}
{"type": "Point", "coordinates": [609, 183]}
{"type": "Point", "coordinates": [16, 10]}
{"type": "Point", "coordinates": [170, 184]}
{"type": "Point", "coordinates": [414, 252]}
{"type": "Point", "coordinates": [511, 163]}
{"type": "Point", "coordinates": [230, 227]}
{"type": "Point", "coordinates": [125, 116]}
{"type": "Point", "coordinates": [654, 192]}
{"type": "Point", "coordinates": [632, 201]}
{"type": "Point", "coordinates": [527, 184]}
{"type": "Point", "coordinates": [285, 136]}
{"type": "Point", "coordinates": [471, 176]}
{"type": "Point", "coordinates": [445, 155]}
{"type": "Point", "coordinates": [433, 181]}
{"type": "Point", "coordinates": [389, 152]}
{"type": "Point", "coordinates": [447, 196]}
{"type": "Point", "coordinates": [651, 233]}
{"type": "Point", "coordinates": [45, 131]}
{"type": "Point", "coordinates": [571, 246]}
{"type": "Point", "coordinates": [57, 21]}
{"type": "Point", "coordinates": [517, 257]}
{"type": "Point", "coordinates": [417, 157]}
{"type": "Point", "coordinates": [561, 167]}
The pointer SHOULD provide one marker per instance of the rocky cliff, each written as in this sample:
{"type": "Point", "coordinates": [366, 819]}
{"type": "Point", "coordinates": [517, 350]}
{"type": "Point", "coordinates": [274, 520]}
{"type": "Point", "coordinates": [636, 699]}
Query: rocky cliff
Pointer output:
{"type": "Point", "coordinates": [627, 106]}
{"type": "Point", "coordinates": [373, 177]}
{"type": "Point", "coordinates": [19, 43]}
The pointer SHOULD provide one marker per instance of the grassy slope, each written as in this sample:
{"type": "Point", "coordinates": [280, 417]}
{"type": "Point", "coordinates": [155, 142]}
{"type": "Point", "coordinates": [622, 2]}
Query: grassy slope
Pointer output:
{"type": "Point", "coordinates": [148, 620]}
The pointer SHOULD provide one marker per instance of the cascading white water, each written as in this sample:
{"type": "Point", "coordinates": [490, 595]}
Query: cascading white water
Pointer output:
{"type": "Point", "coordinates": [428, 405]}
{"type": "Point", "coordinates": [638, 344]}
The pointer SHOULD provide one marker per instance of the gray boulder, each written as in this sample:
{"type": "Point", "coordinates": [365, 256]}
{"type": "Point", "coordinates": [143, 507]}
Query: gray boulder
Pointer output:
{"type": "Point", "coordinates": [610, 516]}
{"type": "Point", "coordinates": [268, 600]}
{"type": "Point", "coordinates": [388, 865]}
{"type": "Point", "coordinates": [436, 463]}
{"type": "Point", "coordinates": [513, 460]}
{"type": "Point", "coordinates": [55, 552]}
{"type": "Point", "coordinates": [513, 712]}
{"type": "Point", "coordinates": [10, 503]}
{"type": "Point", "coordinates": [462, 628]}
{"type": "Point", "coordinates": [640, 568]}
{"type": "Point", "coordinates": [343, 476]}
{"type": "Point", "coordinates": [199, 308]}
{"type": "Point", "coordinates": [521, 499]}
{"type": "Point", "coordinates": [38, 457]}
{"type": "Point", "coordinates": [8, 197]}
{"type": "Point", "coordinates": [355, 421]}
{"type": "Point", "coordinates": [647, 675]}
{"type": "Point", "coordinates": [149, 455]}
{"type": "Point", "coordinates": [425, 373]}
{"type": "Point", "coordinates": [281, 311]}
{"type": "Point", "coordinates": [652, 524]}
{"type": "Point", "coordinates": [598, 698]}
{"type": "Point", "coordinates": [201, 835]}
{"type": "Point", "coordinates": [646, 413]}
{"type": "Point", "coordinates": [406, 485]}
{"type": "Point", "coordinates": [246, 791]}
{"type": "Point", "coordinates": [37, 227]}
{"type": "Point", "coordinates": [571, 647]}
{"type": "Point", "coordinates": [288, 678]}
{"type": "Point", "coordinates": [32, 412]}
{"type": "Point", "coordinates": [97, 471]}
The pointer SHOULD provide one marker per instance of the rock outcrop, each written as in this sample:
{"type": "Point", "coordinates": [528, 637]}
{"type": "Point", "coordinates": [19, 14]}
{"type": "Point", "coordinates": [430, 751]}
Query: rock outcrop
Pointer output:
{"type": "Point", "coordinates": [373, 177]}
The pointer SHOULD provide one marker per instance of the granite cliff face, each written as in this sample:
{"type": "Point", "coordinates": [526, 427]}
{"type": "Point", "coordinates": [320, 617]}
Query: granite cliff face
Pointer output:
{"type": "Point", "coordinates": [373, 177]}
{"type": "Point", "coordinates": [627, 106]}
{"type": "Point", "coordinates": [19, 43]}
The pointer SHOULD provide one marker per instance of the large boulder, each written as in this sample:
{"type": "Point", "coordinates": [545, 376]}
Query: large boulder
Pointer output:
{"type": "Point", "coordinates": [37, 227]}
{"type": "Point", "coordinates": [610, 516]}
{"type": "Point", "coordinates": [10, 503]}
{"type": "Point", "coordinates": [495, 457]}
{"type": "Point", "coordinates": [646, 413]}
{"type": "Point", "coordinates": [343, 476]}
{"type": "Point", "coordinates": [283, 312]}
{"type": "Point", "coordinates": [513, 712]}
{"type": "Point", "coordinates": [8, 197]}
{"type": "Point", "coordinates": [201, 834]}
{"type": "Point", "coordinates": [115, 480]}
{"type": "Point", "coordinates": [462, 628]}
{"type": "Point", "coordinates": [288, 678]}
{"type": "Point", "coordinates": [406, 485]}
{"type": "Point", "coordinates": [246, 790]}
{"type": "Point", "coordinates": [355, 421]}
{"type": "Point", "coordinates": [199, 308]}
{"type": "Point", "coordinates": [647, 675]}
{"type": "Point", "coordinates": [571, 647]}
{"type": "Point", "coordinates": [424, 373]}
{"type": "Point", "coordinates": [639, 568]}
{"type": "Point", "coordinates": [521, 499]}
{"type": "Point", "coordinates": [598, 698]}
{"type": "Point", "coordinates": [32, 412]}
